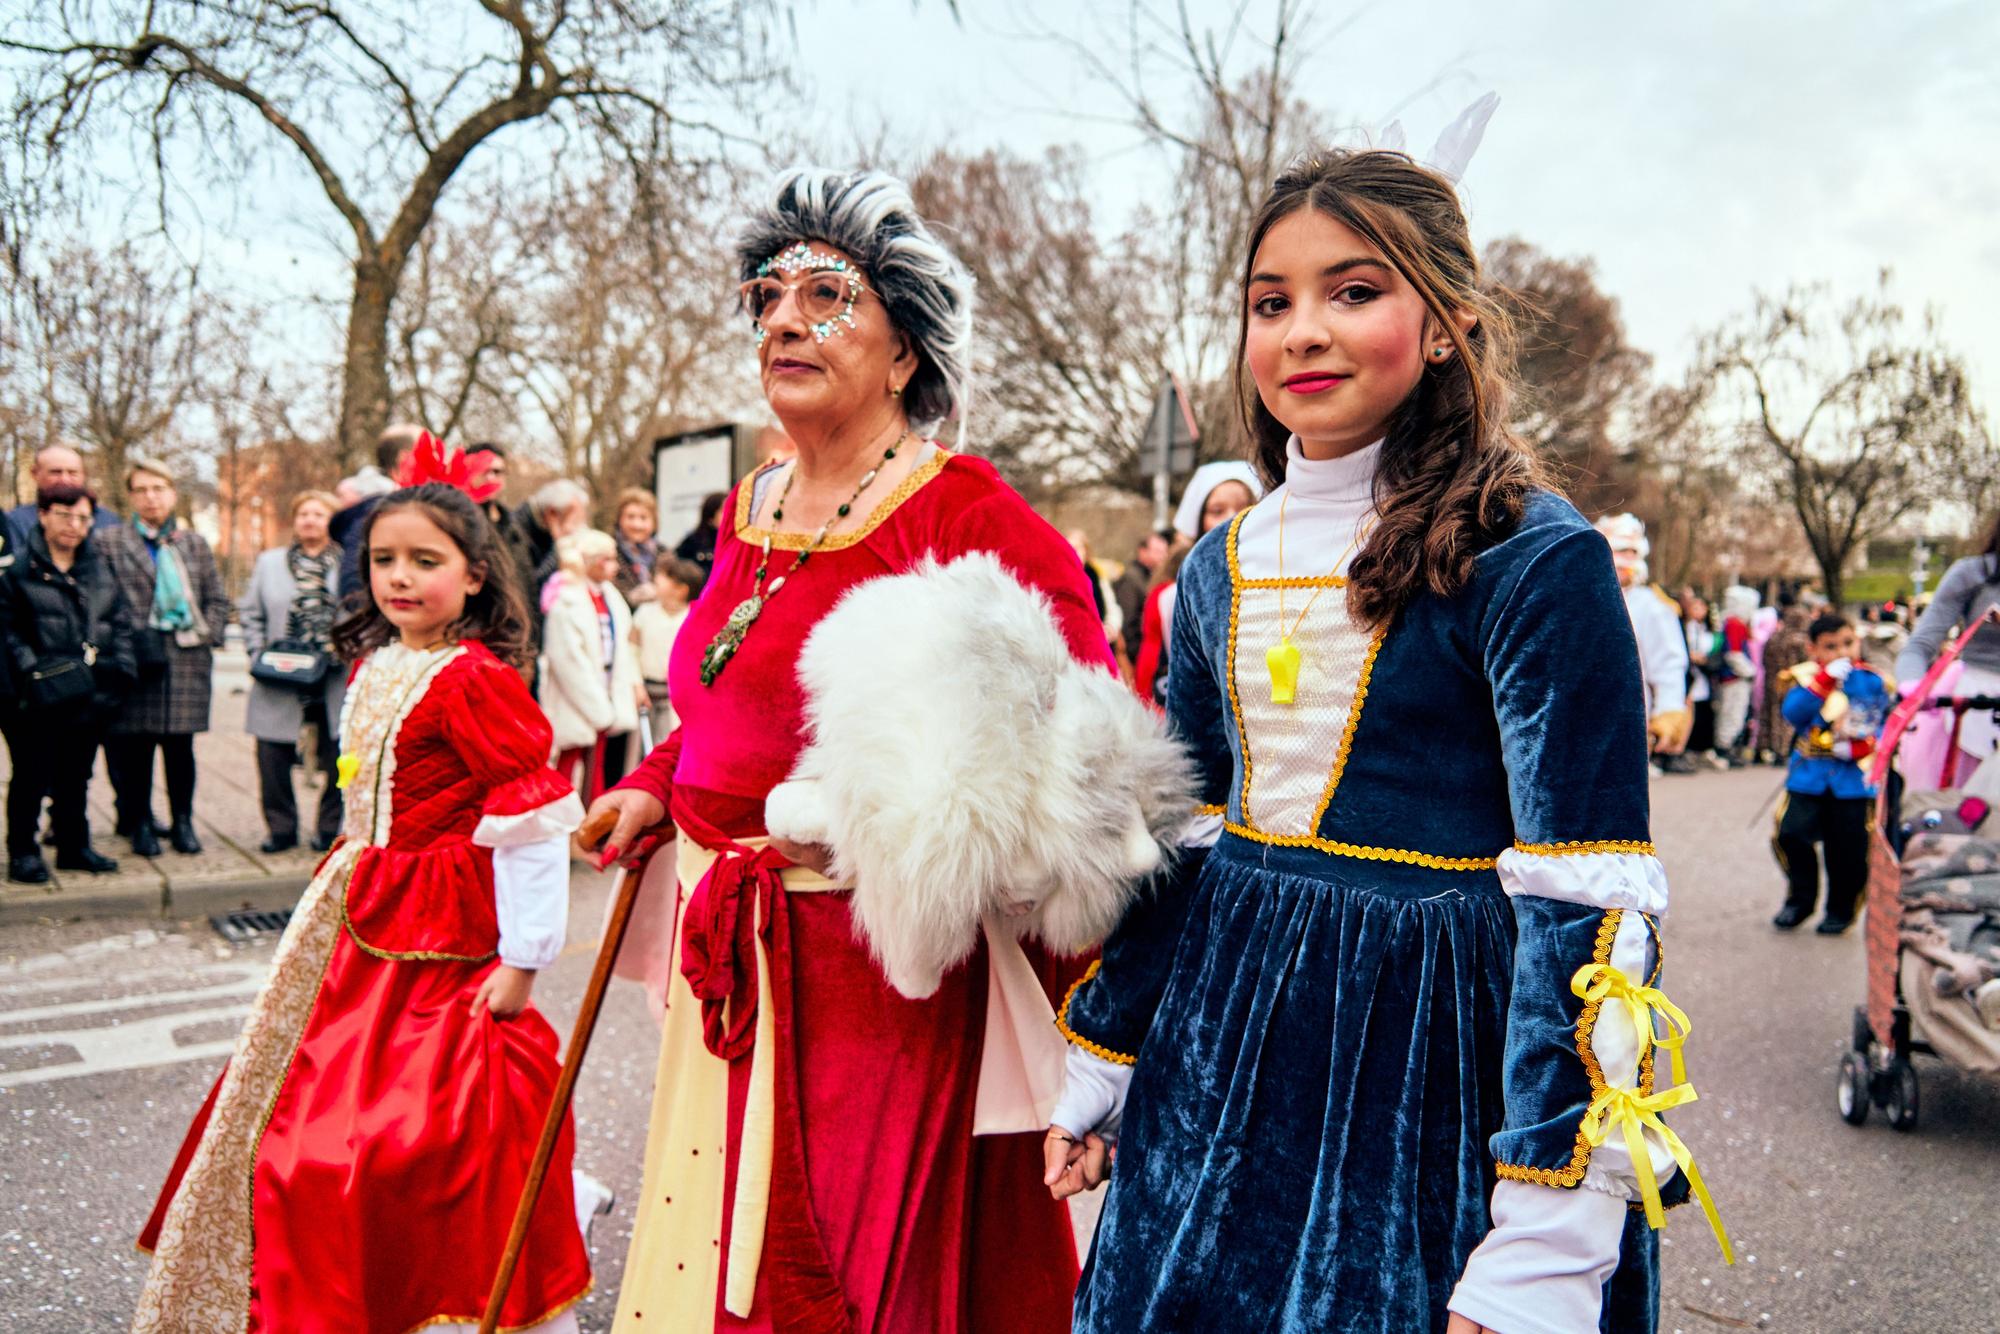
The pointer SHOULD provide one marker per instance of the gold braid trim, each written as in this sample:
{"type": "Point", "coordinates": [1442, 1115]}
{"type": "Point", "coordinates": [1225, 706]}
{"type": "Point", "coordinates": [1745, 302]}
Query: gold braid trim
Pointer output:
{"type": "Point", "coordinates": [1347, 733]}
{"type": "Point", "coordinates": [1062, 1024]}
{"type": "Point", "coordinates": [1586, 1024]}
{"type": "Point", "coordinates": [542, 1319]}
{"type": "Point", "coordinates": [1430, 861]}
{"type": "Point", "coordinates": [888, 505]}
{"type": "Point", "coordinates": [1211, 810]}
{"type": "Point", "coordinates": [1576, 849]}
{"type": "Point", "coordinates": [1229, 662]}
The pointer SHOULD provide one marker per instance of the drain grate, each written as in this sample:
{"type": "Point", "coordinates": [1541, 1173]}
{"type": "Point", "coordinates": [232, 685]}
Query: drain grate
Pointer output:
{"type": "Point", "coordinates": [237, 927]}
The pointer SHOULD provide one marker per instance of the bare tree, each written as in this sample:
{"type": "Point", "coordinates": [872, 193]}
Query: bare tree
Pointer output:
{"type": "Point", "coordinates": [118, 340]}
{"type": "Point", "coordinates": [1226, 134]}
{"type": "Point", "coordinates": [1577, 372]}
{"type": "Point", "coordinates": [383, 106]}
{"type": "Point", "coordinates": [1853, 413]}
{"type": "Point", "coordinates": [1074, 330]}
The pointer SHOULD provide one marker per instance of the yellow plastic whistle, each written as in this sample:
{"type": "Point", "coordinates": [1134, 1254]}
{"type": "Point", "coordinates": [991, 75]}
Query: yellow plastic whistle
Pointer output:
{"type": "Point", "coordinates": [1282, 660]}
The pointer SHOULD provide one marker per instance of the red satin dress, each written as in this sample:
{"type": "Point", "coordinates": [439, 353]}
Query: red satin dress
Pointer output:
{"type": "Point", "coordinates": [886, 1214]}
{"type": "Point", "coordinates": [357, 1166]}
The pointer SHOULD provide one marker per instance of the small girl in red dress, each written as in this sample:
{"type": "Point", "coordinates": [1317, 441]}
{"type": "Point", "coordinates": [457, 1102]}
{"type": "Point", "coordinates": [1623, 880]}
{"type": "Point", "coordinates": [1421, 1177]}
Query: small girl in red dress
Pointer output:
{"type": "Point", "coordinates": [356, 1167]}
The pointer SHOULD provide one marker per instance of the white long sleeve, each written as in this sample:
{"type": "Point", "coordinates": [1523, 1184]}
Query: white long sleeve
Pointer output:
{"type": "Point", "coordinates": [531, 879]}
{"type": "Point", "coordinates": [531, 898]}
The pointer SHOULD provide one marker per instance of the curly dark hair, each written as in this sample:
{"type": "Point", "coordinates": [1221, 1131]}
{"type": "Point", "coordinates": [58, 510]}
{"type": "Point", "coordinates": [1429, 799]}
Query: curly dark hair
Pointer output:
{"type": "Point", "coordinates": [1453, 478]}
{"type": "Point", "coordinates": [496, 616]}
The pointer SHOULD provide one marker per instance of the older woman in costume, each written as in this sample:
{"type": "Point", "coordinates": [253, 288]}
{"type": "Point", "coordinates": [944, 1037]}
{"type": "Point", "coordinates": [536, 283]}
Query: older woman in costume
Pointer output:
{"type": "Point", "coordinates": [827, 1153]}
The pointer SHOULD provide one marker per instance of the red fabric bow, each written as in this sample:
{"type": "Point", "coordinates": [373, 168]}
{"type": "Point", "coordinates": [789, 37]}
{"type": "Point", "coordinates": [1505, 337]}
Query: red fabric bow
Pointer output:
{"type": "Point", "coordinates": [431, 461]}
{"type": "Point", "coordinates": [718, 954]}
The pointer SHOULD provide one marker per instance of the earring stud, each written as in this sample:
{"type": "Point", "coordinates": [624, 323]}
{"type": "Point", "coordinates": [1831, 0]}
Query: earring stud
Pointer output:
{"type": "Point", "coordinates": [895, 391]}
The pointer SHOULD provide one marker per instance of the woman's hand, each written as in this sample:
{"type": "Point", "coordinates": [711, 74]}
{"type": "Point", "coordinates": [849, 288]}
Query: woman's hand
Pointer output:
{"type": "Point", "coordinates": [812, 856]}
{"type": "Point", "coordinates": [505, 991]}
{"type": "Point", "coordinates": [1460, 1325]}
{"type": "Point", "coordinates": [1072, 1166]}
{"type": "Point", "coordinates": [631, 813]}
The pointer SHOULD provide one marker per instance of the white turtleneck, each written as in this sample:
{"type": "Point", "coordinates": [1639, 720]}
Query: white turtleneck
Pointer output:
{"type": "Point", "coordinates": [1324, 502]}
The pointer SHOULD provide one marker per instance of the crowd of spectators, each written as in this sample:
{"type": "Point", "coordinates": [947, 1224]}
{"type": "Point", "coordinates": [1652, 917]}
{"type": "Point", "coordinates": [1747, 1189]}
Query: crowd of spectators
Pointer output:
{"type": "Point", "coordinates": [109, 629]}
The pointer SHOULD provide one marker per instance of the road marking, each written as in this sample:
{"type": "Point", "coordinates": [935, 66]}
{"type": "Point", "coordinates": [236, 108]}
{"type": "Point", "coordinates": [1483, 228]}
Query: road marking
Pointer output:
{"type": "Point", "coordinates": [132, 1044]}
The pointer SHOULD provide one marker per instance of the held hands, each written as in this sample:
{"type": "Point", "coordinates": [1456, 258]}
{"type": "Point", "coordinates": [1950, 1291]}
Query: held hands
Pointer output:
{"type": "Point", "coordinates": [505, 991]}
{"type": "Point", "coordinates": [1071, 1165]}
{"type": "Point", "coordinates": [1460, 1325]}
{"type": "Point", "coordinates": [814, 856]}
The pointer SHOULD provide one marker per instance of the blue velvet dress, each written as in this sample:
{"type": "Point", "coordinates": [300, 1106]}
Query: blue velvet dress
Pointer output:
{"type": "Point", "coordinates": [1343, 1025]}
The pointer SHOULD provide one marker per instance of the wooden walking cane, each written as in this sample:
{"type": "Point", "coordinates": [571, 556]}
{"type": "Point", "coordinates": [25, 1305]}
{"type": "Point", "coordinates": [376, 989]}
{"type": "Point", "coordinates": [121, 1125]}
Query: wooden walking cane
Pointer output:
{"type": "Point", "coordinates": [590, 836]}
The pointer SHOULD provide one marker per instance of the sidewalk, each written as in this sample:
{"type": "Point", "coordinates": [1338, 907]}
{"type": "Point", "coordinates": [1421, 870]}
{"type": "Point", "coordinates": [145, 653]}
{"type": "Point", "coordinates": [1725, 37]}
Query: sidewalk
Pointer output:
{"type": "Point", "coordinates": [229, 873]}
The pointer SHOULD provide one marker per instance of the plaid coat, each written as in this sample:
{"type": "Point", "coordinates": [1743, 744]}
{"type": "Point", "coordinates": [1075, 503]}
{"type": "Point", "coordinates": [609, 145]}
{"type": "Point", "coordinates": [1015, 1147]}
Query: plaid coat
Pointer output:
{"type": "Point", "coordinates": [176, 701]}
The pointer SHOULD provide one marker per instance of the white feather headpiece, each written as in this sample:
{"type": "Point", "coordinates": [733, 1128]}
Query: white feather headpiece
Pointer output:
{"type": "Point", "coordinates": [1452, 153]}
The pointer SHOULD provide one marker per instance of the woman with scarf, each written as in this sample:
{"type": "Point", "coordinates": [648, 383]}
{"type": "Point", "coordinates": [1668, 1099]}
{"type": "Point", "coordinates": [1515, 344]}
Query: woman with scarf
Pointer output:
{"type": "Point", "coordinates": [179, 611]}
{"type": "Point", "coordinates": [294, 591]}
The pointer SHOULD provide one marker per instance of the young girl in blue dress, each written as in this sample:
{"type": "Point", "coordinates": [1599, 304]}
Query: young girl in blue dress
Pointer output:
{"type": "Point", "coordinates": [1381, 1056]}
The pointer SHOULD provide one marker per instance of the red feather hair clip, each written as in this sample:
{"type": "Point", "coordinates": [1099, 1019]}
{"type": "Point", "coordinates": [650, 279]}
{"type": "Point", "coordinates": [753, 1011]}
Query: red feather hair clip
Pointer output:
{"type": "Point", "coordinates": [432, 461]}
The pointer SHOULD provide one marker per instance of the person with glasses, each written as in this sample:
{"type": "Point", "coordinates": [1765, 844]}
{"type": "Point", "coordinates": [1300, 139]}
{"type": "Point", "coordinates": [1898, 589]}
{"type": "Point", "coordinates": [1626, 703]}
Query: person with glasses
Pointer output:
{"type": "Point", "coordinates": [68, 660]}
{"type": "Point", "coordinates": [864, 1188]}
{"type": "Point", "coordinates": [179, 611]}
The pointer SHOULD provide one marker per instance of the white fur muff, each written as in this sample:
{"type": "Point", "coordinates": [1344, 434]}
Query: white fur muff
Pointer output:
{"type": "Point", "coordinates": [963, 766]}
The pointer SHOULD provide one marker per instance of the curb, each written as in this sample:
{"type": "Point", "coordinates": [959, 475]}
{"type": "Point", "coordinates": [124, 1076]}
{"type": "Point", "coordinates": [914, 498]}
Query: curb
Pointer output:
{"type": "Point", "coordinates": [197, 898]}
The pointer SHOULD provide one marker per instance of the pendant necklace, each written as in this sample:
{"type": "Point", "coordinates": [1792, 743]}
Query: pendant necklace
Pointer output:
{"type": "Point", "coordinates": [1282, 659]}
{"type": "Point", "coordinates": [730, 638]}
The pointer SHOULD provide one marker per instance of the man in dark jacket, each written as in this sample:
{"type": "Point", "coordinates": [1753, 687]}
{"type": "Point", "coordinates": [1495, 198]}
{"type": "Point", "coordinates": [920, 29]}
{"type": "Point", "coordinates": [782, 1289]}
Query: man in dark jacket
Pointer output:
{"type": "Point", "coordinates": [68, 662]}
{"type": "Point", "coordinates": [54, 465]}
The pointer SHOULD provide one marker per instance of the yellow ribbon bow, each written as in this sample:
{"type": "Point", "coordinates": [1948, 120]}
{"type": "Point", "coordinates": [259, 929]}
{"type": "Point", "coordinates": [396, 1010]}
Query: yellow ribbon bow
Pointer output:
{"type": "Point", "coordinates": [1635, 1113]}
{"type": "Point", "coordinates": [345, 768]}
{"type": "Point", "coordinates": [1598, 982]}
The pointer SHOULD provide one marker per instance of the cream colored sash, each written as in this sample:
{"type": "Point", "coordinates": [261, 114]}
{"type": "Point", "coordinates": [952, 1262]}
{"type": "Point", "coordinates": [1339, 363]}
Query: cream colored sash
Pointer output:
{"type": "Point", "coordinates": [675, 1260]}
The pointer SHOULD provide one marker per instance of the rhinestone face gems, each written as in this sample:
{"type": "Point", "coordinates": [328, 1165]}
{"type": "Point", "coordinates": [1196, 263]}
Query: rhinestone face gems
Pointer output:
{"type": "Point", "coordinates": [827, 288]}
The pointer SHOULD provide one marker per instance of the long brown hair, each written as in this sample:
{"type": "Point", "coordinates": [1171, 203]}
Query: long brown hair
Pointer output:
{"type": "Point", "coordinates": [496, 616]}
{"type": "Point", "coordinates": [1453, 478]}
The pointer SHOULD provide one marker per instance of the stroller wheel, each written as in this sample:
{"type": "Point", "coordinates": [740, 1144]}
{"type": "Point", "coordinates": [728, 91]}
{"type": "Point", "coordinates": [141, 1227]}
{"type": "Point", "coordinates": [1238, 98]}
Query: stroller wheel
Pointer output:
{"type": "Point", "coordinates": [1852, 1090]}
{"type": "Point", "coordinates": [1902, 1104]}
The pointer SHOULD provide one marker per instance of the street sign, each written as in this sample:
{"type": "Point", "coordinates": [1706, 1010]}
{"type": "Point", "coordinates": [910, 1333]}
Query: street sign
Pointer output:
{"type": "Point", "coordinates": [1170, 440]}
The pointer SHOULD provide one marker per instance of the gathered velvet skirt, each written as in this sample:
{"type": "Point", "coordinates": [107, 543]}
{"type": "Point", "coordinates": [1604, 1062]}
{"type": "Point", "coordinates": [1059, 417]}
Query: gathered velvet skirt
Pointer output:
{"type": "Point", "coordinates": [1304, 1142]}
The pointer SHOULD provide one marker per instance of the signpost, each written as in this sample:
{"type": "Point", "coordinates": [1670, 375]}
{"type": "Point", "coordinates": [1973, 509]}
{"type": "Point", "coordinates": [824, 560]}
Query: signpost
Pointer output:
{"type": "Point", "coordinates": [1169, 444]}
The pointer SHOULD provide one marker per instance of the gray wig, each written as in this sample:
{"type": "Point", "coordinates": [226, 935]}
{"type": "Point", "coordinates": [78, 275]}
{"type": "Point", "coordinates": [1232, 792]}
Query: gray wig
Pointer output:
{"type": "Point", "coordinates": [928, 293]}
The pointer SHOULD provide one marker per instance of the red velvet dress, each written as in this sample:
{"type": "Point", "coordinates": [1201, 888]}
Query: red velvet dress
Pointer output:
{"type": "Point", "coordinates": [357, 1166]}
{"type": "Point", "coordinates": [886, 1214]}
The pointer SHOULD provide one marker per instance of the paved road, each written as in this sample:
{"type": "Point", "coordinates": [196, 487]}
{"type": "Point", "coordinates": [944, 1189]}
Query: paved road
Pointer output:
{"type": "Point", "coordinates": [110, 1033]}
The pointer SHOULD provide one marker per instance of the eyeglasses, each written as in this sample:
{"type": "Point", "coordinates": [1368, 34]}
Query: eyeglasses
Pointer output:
{"type": "Point", "coordinates": [826, 298]}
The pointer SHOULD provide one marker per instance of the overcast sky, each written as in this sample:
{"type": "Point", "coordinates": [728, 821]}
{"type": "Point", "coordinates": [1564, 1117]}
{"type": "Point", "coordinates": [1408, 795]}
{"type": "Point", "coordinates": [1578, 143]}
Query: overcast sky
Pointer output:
{"type": "Point", "coordinates": [1695, 150]}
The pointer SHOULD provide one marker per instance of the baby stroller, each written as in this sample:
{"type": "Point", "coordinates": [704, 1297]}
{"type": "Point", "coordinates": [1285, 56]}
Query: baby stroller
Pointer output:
{"type": "Point", "coordinates": [1933, 931]}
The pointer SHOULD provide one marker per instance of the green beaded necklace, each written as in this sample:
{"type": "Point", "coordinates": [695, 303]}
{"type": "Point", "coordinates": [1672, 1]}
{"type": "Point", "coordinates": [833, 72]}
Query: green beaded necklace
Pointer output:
{"type": "Point", "coordinates": [730, 638]}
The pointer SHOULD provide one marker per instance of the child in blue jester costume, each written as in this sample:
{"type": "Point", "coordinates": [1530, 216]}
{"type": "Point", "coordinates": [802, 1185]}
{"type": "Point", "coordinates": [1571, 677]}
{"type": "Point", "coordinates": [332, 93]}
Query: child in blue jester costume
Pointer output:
{"type": "Point", "coordinates": [1837, 705]}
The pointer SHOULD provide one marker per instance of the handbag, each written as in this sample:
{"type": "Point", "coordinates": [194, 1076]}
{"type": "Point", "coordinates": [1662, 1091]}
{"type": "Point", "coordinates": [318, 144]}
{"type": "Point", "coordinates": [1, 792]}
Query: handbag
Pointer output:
{"type": "Point", "coordinates": [55, 681]}
{"type": "Point", "coordinates": [291, 662]}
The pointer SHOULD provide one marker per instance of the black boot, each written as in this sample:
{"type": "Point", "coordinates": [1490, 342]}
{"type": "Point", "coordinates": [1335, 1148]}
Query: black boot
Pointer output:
{"type": "Point", "coordinates": [86, 858]}
{"type": "Point", "coordinates": [275, 844]}
{"type": "Point", "coordinates": [28, 870]}
{"type": "Point", "coordinates": [1789, 917]}
{"type": "Point", "coordinates": [145, 843]}
{"type": "Point", "coordinates": [181, 837]}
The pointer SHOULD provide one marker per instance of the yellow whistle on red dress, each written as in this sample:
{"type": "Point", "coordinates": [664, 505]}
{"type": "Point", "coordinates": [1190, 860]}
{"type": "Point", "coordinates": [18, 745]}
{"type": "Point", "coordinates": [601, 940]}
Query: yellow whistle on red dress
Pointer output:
{"type": "Point", "coordinates": [1282, 660]}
